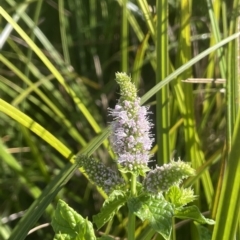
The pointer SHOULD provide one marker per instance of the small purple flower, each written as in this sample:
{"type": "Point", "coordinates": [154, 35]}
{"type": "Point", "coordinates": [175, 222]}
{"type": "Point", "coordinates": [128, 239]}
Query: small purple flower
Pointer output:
{"type": "Point", "coordinates": [131, 138]}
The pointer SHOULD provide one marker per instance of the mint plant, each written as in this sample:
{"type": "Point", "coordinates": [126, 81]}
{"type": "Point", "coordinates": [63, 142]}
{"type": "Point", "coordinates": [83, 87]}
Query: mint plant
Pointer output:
{"type": "Point", "coordinates": [156, 199]}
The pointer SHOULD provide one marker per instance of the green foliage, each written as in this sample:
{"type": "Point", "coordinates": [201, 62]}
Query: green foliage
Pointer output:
{"type": "Point", "coordinates": [68, 224]}
{"type": "Point", "coordinates": [110, 207]}
{"type": "Point", "coordinates": [153, 208]}
{"type": "Point", "coordinates": [192, 212]}
{"type": "Point", "coordinates": [156, 210]}
{"type": "Point", "coordinates": [180, 196]}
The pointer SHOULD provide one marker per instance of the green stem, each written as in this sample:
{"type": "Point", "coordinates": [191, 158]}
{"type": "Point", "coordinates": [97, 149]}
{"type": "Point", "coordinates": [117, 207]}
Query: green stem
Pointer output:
{"type": "Point", "coordinates": [131, 216]}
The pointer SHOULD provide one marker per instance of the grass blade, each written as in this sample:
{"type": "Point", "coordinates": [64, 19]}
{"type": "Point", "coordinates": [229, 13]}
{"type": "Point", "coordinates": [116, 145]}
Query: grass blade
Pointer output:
{"type": "Point", "coordinates": [181, 69]}
{"type": "Point", "coordinates": [35, 127]}
{"type": "Point", "coordinates": [162, 97]}
{"type": "Point", "coordinates": [229, 205]}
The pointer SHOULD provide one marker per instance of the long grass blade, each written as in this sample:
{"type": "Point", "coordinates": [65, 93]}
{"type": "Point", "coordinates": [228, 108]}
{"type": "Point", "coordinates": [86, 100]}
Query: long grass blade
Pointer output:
{"type": "Point", "coordinates": [162, 97]}
{"type": "Point", "coordinates": [229, 205]}
{"type": "Point", "coordinates": [124, 38]}
{"type": "Point", "coordinates": [29, 123]}
{"type": "Point", "coordinates": [181, 69]}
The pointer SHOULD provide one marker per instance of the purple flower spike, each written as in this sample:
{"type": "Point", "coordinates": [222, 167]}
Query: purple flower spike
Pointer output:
{"type": "Point", "coordinates": [131, 138]}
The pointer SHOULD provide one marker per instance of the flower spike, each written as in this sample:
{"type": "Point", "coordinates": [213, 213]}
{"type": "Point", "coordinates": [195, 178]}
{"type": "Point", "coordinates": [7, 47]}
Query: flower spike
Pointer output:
{"type": "Point", "coordinates": [104, 177]}
{"type": "Point", "coordinates": [131, 138]}
{"type": "Point", "coordinates": [162, 178]}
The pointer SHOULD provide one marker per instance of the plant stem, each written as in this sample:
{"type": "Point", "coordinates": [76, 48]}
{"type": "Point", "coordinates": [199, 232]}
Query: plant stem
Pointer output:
{"type": "Point", "coordinates": [131, 216]}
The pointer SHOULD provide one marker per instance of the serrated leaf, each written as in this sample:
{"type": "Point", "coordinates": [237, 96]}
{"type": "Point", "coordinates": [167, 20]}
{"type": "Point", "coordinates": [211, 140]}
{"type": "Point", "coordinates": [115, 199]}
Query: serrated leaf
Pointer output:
{"type": "Point", "coordinates": [154, 209]}
{"type": "Point", "coordinates": [68, 224]}
{"type": "Point", "coordinates": [192, 212]}
{"type": "Point", "coordinates": [110, 207]}
{"type": "Point", "coordinates": [180, 196]}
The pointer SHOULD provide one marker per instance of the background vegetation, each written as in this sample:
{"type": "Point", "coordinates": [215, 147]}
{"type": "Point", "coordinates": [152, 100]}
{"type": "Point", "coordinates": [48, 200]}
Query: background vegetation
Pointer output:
{"type": "Point", "coordinates": [57, 69]}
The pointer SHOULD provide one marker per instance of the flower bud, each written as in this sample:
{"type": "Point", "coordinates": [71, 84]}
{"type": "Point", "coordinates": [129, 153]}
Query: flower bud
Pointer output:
{"type": "Point", "coordinates": [104, 177]}
{"type": "Point", "coordinates": [162, 178]}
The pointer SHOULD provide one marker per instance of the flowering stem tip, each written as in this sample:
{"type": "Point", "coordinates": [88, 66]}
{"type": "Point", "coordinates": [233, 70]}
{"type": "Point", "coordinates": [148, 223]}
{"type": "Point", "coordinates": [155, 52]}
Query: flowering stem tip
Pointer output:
{"type": "Point", "coordinates": [131, 138]}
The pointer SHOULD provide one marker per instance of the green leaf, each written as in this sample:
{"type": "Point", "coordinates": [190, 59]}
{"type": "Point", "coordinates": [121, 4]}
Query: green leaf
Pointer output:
{"type": "Point", "coordinates": [68, 224]}
{"type": "Point", "coordinates": [110, 207]}
{"type": "Point", "coordinates": [192, 212]}
{"type": "Point", "coordinates": [180, 196]}
{"type": "Point", "coordinates": [154, 209]}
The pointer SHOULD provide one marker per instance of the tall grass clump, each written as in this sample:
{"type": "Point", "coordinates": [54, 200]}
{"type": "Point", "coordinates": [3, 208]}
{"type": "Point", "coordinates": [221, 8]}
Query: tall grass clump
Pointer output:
{"type": "Point", "coordinates": [81, 150]}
